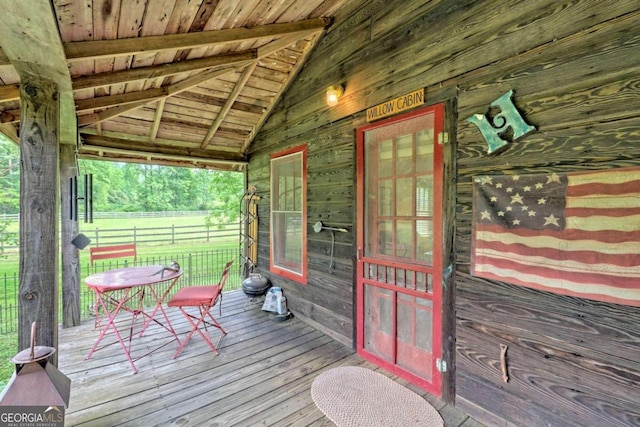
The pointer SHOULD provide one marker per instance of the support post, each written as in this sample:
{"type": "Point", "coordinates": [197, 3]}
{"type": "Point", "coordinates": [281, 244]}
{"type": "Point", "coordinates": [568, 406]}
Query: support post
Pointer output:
{"type": "Point", "coordinates": [69, 253]}
{"type": "Point", "coordinates": [38, 291]}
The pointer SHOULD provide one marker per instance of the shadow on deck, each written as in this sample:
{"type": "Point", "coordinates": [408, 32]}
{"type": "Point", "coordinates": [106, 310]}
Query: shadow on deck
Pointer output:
{"type": "Point", "coordinates": [262, 375]}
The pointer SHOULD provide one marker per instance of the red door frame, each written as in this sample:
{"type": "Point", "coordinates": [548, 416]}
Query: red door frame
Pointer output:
{"type": "Point", "coordinates": [435, 386]}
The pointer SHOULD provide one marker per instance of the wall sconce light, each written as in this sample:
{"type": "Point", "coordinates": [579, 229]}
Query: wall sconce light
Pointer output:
{"type": "Point", "coordinates": [333, 94]}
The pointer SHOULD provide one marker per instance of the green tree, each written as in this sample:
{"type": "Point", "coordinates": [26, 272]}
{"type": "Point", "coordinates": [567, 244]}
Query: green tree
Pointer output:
{"type": "Point", "coordinates": [9, 176]}
{"type": "Point", "coordinates": [226, 190]}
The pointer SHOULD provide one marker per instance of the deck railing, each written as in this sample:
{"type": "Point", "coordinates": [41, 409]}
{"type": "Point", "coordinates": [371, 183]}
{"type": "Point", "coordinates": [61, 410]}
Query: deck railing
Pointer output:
{"type": "Point", "coordinates": [200, 268]}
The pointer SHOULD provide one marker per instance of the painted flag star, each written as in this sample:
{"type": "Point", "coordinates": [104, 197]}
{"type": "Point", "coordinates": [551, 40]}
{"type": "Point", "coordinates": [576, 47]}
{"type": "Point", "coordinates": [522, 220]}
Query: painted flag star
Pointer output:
{"type": "Point", "coordinates": [554, 177]}
{"type": "Point", "coordinates": [516, 177]}
{"type": "Point", "coordinates": [498, 185]}
{"type": "Point", "coordinates": [539, 185]}
{"type": "Point", "coordinates": [517, 199]}
{"type": "Point", "coordinates": [525, 208]}
{"type": "Point", "coordinates": [485, 215]}
{"type": "Point", "coordinates": [542, 201]}
{"type": "Point", "coordinates": [516, 222]}
{"type": "Point", "coordinates": [509, 189]}
{"type": "Point", "coordinates": [532, 213]}
{"type": "Point", "coordinates": [486, 180]}
{"type": "Point", "coordinates": [494, 199]}
{"type": "Point", "coordinates": [500, 213]}
{"type": "Point", "coordinates": [551, 220]}
{"type": "Point", "coordinates": [527, 188]}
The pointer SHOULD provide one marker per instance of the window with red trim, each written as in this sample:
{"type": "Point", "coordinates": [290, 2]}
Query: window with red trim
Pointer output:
{"type": "Point", "coordinates": [289, 214]}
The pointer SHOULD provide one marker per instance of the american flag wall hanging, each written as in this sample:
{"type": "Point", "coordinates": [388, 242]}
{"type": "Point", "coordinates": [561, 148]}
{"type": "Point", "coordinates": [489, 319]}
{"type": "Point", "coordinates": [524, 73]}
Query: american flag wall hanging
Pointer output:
{"type": "Point", "coordinates": [574, 234]}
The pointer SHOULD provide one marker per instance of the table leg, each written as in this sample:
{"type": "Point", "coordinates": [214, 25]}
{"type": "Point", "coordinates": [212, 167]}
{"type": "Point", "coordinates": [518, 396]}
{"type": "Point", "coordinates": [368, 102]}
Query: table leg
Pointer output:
{"type": "Point", "coordinates": [111, 316]}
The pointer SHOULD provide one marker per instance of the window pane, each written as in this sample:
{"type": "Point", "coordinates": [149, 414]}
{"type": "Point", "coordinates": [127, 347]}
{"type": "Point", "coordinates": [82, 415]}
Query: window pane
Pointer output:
{"type": "Point", "coordinates": [404, 154]}
{"type": "Point", "coordinates": [404, 198]}
{"type": "Point", "coordinates": [287, 215]}
{"type": "Point", "coordinates": [385, 167]}
{"type": "Point", "coordinates": [287, 229]}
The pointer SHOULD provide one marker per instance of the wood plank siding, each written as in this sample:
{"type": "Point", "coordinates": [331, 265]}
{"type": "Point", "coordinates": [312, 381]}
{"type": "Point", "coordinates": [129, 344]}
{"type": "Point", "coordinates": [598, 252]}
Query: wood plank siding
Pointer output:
{"type": "Point", "coordinates": [262, 376]}
{"type": "Point", "coordinates": [574, 67]}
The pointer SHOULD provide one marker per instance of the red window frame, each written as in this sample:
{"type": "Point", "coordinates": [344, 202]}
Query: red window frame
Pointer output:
{"type": "Point", "coordinates": [276, 241]}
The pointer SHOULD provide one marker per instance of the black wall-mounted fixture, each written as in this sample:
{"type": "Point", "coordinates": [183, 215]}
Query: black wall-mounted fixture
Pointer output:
{"type": "Point", "coordinates": [87, 198]}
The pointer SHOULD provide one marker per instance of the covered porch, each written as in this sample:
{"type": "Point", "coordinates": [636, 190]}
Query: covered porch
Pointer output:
{"type": "Point", "coordinates": [262, 376]}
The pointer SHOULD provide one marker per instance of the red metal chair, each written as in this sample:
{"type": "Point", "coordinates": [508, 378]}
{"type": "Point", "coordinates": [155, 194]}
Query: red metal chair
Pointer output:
{"type": "Point", "coordinates": [204, 298]}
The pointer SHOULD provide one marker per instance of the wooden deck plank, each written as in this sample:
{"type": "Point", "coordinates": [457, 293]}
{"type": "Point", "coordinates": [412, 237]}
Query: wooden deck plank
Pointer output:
{"type": "Point", "coordinates": [262, 376]}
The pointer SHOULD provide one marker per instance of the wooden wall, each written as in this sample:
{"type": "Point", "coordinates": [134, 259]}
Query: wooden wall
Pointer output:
{"type": "Point", "coordinates": [574, 67]}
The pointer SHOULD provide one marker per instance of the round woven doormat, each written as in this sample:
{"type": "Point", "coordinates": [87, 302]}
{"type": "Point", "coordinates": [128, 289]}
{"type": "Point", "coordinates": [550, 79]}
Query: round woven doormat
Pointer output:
{"type": "Point", "coordinates": [351, 396]}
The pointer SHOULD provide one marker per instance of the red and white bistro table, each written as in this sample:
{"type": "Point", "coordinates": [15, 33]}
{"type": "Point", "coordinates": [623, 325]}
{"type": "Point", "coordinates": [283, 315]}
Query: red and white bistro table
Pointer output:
{"type": "Point", "coordinates": [124, 289]}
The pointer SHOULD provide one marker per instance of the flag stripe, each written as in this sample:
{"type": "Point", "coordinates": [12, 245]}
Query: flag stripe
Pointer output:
{"type": "Point", "coordinates": [575, 272]}
{"type": "Point", "coordinates": [594, 188]}
{"type": "Point", "coordinates": [598, 292]}
{"type": "Point", "coordinates": [615, 259]}
{"type": "Point", "coordinates": [577, 238]}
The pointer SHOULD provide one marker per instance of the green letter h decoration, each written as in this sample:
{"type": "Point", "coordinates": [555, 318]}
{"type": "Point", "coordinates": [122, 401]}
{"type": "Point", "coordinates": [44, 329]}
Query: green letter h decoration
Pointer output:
{"type": "Point", "coordinates": [508, 117]}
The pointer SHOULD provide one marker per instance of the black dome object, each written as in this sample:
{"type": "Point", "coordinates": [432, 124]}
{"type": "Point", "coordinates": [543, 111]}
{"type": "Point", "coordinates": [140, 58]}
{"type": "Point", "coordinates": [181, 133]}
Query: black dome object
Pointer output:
{"type": "Point", "coordinates": [255, 285]}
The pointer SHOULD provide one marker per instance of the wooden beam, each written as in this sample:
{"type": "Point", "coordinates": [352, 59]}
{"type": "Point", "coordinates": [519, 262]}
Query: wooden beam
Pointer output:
{"type": "Point", "coordinates": [120, 99]}
{"type": "Point", "coordinates": [143, 97]}
{"type": "Point", "coordinates": [38, 290]}
{"type": "Point", "coordinates": [149, 150]}
{"type": "Point", "coordinates": [256, 128]}
{"type": "Point", "coordinates": [31, 41]}
{"type": "Point", "coordinates": [136, 45]}
{"type": "Point", "coordinates": [227, 106]}
{"type": "Point", "coordinates": [10, 131]}
{"type": "Point", "coordinates": [162, 70]}
{"type": "Point", "coordinates": [69, 255]}
{"type": "Point", "coordinates": [157, 119]}
{"type": "Point", "coordinates": [9, 93]}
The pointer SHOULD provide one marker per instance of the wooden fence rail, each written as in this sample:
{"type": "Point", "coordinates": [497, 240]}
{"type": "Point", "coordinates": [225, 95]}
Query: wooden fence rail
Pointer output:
{"type": "Point", "coordinates": [152, 235]}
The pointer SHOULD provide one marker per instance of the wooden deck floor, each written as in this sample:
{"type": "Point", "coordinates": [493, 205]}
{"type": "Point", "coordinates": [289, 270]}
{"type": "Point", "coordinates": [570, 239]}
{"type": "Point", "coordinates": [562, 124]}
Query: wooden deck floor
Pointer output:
{"type": "Point", "coordinates": [262, 375]}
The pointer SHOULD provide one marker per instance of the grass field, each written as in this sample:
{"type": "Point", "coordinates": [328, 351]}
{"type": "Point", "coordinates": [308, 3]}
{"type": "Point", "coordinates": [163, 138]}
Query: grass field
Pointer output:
{"type": "Point", "coordinates": [9, 263]}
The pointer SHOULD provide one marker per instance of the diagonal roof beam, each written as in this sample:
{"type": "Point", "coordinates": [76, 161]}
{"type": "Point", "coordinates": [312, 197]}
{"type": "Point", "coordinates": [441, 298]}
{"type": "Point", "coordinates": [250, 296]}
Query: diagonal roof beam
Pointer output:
{"type": "Point", "coordinates": [138, 99]}
{"type": "Point", "coordinates": [162, 70]}
{"type": "Point", "coordinates": [136, 45]}
{"type": "Point", "coordinates": [267, 111]}
{"type": "Point", "coordinates": [227, 106]}
{"type": "Point", "coordinates": [262, 52]}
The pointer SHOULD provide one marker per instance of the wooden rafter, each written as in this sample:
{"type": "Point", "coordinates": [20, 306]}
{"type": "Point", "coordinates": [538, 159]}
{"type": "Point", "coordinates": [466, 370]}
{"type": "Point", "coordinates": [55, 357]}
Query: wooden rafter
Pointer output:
{"type": "Point", "coordinates": [157, 118]}
{"type": "Point", "coordinates": [132, 46]}
{"type": "Point", "coordinates": [162, 70]}
{"type": "Point", "coordinates": [147, 148]}
{"type": "Point", "coordinates": [143, 97]}
{"type": "Point", "coordinates": [230, 100]}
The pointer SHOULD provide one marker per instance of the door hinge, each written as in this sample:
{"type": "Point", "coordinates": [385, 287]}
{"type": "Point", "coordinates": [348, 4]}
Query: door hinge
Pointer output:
{"type": "Point", "coordinates": [441, 365]}
{"type": "Point", "coordinates": [443, 138]}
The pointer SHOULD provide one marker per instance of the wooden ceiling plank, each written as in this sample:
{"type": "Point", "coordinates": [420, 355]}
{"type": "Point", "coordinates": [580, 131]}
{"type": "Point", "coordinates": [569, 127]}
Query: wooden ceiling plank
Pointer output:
{"type": "Point", "coordinates": [232, 98]}
{"type": "Point", "coordinates": [128, 46]}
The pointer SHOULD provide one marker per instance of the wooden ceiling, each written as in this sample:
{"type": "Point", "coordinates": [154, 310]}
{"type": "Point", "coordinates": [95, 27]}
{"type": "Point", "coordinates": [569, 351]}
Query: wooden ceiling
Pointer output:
{"type": "Point", "coordinates": [173, 82]}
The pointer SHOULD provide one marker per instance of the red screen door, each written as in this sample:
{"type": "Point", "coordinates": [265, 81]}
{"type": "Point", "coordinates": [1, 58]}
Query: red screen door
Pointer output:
{"type": "Point", "coordinates": [399, 271]}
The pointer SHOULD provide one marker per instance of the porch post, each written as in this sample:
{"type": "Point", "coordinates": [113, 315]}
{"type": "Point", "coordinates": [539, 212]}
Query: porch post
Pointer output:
{"type": "Point", "coordinates": [69, 230]}
{"type": "Point", "coordinates": [38, 290]}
